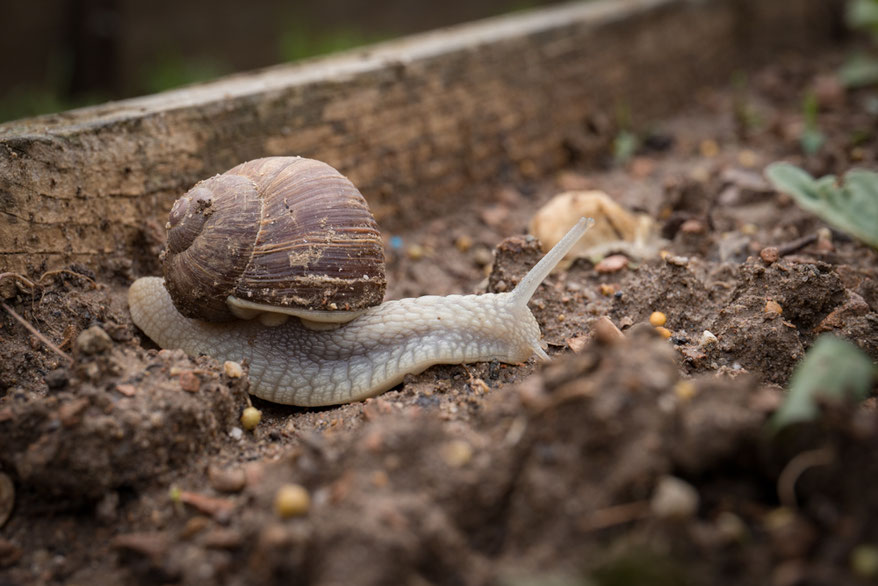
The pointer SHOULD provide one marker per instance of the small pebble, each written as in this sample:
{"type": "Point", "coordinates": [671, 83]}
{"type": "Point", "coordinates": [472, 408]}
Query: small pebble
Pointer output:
{"type": "Point", "coordinates": [769, 254]}
{"type": "Point", "coordinates": [250, 418]}
{"type": "Point", "coordinates": [456, 453]}
{"type": "Point", "coordinates": [657, 318]}
{"type": "Point", "coordinates": [674, 499]}
{"type": "Point", "coordinates": [93, 340]}
{"type": "Point", "coordinates": [731, 527]}
{"type": "Point", "coordinates": [664, 332]}
{"type": "Point", "coordinates": [189, 381]}
{"type": "Point", "coordinates": [291, 500]}
{"type": "Point", "coordinates": [227, 479]}
{"type": "Point", "coordinates": [677, 261]}
{"type": "Point", "coordinates": [233, 369]}
{"type": "Point", "coordinates": [483, 256]}
{"type": "Point", "coordinates": [773, 307]}
{"type": "Point", "coordinates": [692, 226]}
{"type": "Point", "coordinates": [612, 264]}
{"type": "Point", "coordinates": [707, 338]}
{"type": "Point", "coordinates": [126, 389]}
{"type": "Point", "coordinates": [236, 433]}
{"type": "Point", "coordinates": [607, 290]}
{"type": "Point", "coordinates": [56, 379]}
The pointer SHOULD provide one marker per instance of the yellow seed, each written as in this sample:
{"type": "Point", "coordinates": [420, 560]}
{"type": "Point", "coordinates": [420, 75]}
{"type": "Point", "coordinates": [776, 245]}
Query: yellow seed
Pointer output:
{"type": "Point", "coordinates": [709, 148]}
{"type": "Point", "coordinates": [664, 332]}
{"type": "Point", "coordinates": [684, 390]}
{"type": "Point", "coordinates": [250, 418]}
{"type": "Point", "coordinates": [657, 318]}
{"type": "Point", "coordinates": [463, 243]}
{"type": "Point", "coordinates": [607, 290]}
{"type": "Point", "coordinates": [291, 500]}
{"type": "Point", "coordinates": [456, 453]}
{"type": "Point", "coordinates": [415, 252]}
{"type": "Point", "coordinates": [748, 158]}
{"type": "Point", "coordinates": [772, 306]}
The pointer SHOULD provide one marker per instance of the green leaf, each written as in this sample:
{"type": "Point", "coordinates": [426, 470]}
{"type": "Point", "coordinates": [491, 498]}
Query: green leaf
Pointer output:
{"type": "Point", "coordinates": [859, 71]}
{"type": "Point", "coordinates": [851, 207]}
{"type": "Point", "coordinates": [863, 14]}
{"type": "Point", "coordinates": [833, 369]}
{"type": "Point", "coordinates": [624, 146]}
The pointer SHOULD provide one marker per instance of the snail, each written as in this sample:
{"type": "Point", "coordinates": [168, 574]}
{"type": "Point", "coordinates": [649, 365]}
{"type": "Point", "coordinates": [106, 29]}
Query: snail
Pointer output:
{"type": "Point", "coordinates": [301, 218]}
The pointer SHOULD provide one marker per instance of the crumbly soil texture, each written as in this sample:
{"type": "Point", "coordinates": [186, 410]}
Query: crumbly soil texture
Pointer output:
{"type": "Point", "coordinates": [637, 459]}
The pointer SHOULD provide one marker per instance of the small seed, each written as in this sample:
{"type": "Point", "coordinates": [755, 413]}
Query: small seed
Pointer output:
{"type": "Point", "coordinates": [250, 418]}
{"type": "Point", "coordinates": [657, 318]}
{"type": "Point", "coordinates": [291, 500]}
{"type": "Point", "coordinates": [684, 390]}
{"type": "Point", "coordinates": [664, 332]}
{"type": "Point", "coordinates": [772, 306]}
{"type": "Point", "coordinates": [456, 453]}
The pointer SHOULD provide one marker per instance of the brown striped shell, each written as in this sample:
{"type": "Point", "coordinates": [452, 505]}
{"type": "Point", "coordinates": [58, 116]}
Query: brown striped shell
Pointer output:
{"type": "Point", "coordinates": [283, 234]}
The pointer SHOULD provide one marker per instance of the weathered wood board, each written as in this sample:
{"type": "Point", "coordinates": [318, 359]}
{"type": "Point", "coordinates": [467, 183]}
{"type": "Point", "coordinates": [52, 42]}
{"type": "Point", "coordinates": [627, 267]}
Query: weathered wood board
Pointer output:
{"type": "Point", "coordinates": [419, 124]}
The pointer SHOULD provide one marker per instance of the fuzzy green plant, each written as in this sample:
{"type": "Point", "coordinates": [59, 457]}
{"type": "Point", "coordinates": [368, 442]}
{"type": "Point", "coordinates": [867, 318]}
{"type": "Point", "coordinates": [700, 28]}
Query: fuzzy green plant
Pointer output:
{"type": "Point", "coordinates": [851, 206]}
{"type": "Point", "coordinates": [832, 370]}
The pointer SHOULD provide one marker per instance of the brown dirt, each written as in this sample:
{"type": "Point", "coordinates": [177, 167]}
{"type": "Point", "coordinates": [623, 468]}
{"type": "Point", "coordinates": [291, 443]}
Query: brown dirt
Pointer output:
{"type": "Point", "coordinates": [129, 465]}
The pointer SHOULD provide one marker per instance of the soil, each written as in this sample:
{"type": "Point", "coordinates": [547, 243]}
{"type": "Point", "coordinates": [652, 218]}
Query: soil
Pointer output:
{"type": "Point", "coordinates": [632, 460]}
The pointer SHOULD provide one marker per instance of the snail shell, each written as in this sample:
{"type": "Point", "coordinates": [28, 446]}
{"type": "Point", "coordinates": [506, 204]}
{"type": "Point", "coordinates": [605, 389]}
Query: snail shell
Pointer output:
{"type": "Point", "coordinates": [286, 235]}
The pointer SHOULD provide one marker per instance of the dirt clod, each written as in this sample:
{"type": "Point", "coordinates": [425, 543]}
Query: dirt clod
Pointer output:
{"type": "Point", "coordinates": [94, 340]}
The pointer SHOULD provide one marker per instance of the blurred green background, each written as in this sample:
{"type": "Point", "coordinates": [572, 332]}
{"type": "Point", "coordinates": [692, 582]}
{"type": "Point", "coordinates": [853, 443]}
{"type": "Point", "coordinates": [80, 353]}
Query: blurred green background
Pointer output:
{"type": "Point", "coordinates": [60, 54]}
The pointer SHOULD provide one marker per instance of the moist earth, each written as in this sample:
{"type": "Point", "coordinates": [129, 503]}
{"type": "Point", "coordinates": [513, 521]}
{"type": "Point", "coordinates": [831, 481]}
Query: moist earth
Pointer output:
{"type": "Point", "coordinates": [627, 459]}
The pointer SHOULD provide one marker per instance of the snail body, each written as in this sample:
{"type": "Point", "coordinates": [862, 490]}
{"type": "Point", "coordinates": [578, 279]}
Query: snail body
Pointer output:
{"type": "Point", "coordinates": [300, 363]}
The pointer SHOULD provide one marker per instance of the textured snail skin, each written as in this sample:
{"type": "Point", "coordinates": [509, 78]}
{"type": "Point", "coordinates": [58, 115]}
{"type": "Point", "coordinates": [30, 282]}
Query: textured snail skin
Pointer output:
{"type": "Point", "coordinates": [294, 365]}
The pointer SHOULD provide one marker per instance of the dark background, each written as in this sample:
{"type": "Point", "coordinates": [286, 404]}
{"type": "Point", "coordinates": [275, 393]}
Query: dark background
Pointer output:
{"type": "Point", "coordinates": [58, 54]}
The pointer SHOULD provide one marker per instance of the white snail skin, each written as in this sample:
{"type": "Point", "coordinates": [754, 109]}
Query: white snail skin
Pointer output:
{"type": "Point", "coordinates": [294, 365]}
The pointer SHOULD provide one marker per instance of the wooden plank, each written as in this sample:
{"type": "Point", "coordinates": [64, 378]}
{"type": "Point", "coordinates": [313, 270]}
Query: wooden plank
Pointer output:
{"type": "Point", "coordinates": [419, 124]}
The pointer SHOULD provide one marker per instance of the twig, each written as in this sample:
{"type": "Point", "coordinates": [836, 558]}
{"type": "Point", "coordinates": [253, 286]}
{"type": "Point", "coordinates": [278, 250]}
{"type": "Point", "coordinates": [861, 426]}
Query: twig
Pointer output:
{"type": "Point", "coordinates": [786, 482]}
{"type": "Point", "coordinates": [795, 245]}
{"type": "Point", "coordinates": [68, 272]}
{"type": "Point", "coordinates": [616, 515]}
{"type": "Point", "coordinates": [21, 278]}
{"type": "Point", "coordinates": [36, 333]}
